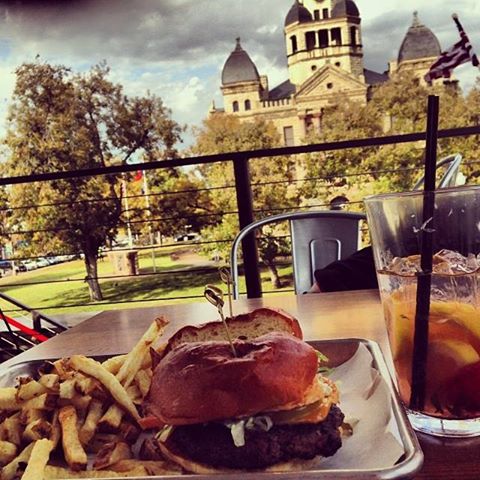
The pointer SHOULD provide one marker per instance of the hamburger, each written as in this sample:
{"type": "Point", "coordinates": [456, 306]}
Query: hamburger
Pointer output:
{"type": "Point", "coordinates": [265, 408]}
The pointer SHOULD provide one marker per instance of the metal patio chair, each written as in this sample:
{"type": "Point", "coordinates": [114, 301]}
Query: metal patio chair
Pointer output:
{"type": "Point", "coordinates": [449, 178]}
{"type": "Point", "coordinates": [318, 238]}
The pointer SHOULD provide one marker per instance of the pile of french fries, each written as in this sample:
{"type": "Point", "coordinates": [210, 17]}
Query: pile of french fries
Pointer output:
{"type": "Point", "coordinates": [79, 418]}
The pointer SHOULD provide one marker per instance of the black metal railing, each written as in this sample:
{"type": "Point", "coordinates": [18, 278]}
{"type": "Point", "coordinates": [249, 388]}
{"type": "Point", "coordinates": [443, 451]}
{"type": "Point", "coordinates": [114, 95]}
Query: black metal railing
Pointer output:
{"type": "Point", "coordinates": [16, 337]}
{"type": "Point", "coordinates": [244, 189]}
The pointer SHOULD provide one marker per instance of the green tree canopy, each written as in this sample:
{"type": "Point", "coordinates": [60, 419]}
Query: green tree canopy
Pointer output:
{"type": "Point", "coordinates": [271, 181]}
{"type": "Point", "coordinates": [396, 107]}
{"type": "Point", "coordinates": [60, 121]}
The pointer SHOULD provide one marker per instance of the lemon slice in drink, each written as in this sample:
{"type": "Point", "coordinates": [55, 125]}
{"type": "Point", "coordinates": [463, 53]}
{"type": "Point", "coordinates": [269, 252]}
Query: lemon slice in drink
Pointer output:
{"type": "Point", "coordinates": [463, 314]}
{"type": "Point", "coordinates": [445, 358]}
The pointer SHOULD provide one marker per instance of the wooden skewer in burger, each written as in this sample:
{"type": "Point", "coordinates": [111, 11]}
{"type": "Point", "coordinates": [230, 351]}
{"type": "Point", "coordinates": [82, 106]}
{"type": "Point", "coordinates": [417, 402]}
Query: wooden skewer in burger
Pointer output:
{"type": "Point", "coordinates": [256, 404]}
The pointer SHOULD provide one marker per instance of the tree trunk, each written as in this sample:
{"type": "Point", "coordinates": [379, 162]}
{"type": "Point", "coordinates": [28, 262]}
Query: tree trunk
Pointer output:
{"type": "Point", "coordinates": [274, 277]}
{"type": "Point", "coordinates": [91, 278]}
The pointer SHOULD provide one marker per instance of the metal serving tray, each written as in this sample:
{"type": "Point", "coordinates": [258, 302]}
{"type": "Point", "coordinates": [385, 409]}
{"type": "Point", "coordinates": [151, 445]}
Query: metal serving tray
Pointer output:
{"type": "Point", "coordinates": [338, 351]}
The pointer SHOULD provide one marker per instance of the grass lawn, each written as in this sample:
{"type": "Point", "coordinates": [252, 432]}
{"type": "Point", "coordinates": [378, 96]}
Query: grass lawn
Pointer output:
{"type": "Point", "coordinates": [67, 291]}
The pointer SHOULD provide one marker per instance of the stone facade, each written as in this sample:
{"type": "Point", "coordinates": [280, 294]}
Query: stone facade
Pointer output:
{"type": "Point", "coordinates": [323, 45]}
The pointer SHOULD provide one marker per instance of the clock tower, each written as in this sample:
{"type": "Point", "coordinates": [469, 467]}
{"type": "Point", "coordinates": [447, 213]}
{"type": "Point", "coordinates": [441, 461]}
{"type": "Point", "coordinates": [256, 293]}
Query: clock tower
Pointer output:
{"type": "Point", "coordinates": [323, 32]}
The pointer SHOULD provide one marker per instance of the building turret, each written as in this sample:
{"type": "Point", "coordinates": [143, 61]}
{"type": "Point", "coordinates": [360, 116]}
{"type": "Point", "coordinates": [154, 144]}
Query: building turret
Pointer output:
{"type": "Point", "coordinates": [419, 49]}
{"type": "Point", "coordinates": [241, 84]}
{"type": "Point", "coordinates": [320, 32]}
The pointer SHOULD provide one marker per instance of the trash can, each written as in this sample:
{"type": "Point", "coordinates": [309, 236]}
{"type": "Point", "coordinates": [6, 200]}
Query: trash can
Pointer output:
{"type": "Point", "coordinates": [125, 262]}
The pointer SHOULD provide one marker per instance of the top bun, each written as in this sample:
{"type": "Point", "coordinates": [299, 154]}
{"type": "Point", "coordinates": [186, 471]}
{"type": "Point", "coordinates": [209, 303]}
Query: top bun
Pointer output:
{"type": "Point", "coordinates": [245, 326]}
{"type": "Point", "coordinates": [202, 382]}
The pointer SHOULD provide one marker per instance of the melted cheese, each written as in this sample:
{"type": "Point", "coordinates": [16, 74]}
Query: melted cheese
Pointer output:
{"type": "Point", "coordinates": [316, 405]}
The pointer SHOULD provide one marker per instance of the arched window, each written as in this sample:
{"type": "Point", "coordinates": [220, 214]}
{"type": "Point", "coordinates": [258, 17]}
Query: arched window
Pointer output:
{"type": "Point", "coordinates": [310, 40]}
{"type": "Point", "coordinates": [353, 36]}
{"type": "Point", "coordinates": [235, 106]}
{"type": "Point", "coordinates": [293, 40]}
{"type": "Point", "coordinates": [247, 105]}
{"type": "Point", "coordinates": [323, 38]}
{"type": "Point", "coordinates": [336, 36]}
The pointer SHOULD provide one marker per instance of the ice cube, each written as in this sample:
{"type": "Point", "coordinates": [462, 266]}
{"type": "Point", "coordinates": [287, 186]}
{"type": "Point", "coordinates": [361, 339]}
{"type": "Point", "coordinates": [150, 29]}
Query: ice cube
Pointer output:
{"type": "Point", "coordinates": [446, 262]}
{"type": "Point", "coordinates": [457, 262]}
{"type": "Point", "coordinates": [407, 266]}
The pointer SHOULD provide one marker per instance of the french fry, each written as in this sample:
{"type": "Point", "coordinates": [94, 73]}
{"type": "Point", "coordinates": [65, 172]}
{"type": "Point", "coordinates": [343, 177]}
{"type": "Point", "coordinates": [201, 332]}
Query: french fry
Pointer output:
{"type": "Point", "coordinates": [143, 379]}
{"type": "Point", "coordinates": [109, 381]}
{"type": "Point", "coordinates": [56, 432]}
{"type": "Point", "coordinates": [81, 402]}
{"type": "Point", "coordinates": [11, 429]}
{"type": "Point", "coordinates": [112, 453]}
{"type": "Point", "coordinates": [113, 364]}
{"type": "Point", "coordinates": [72, 448]}
{"type": "Point", "coordinates": [30, 389]}
{"type": "Point", "coordinates": [62, 369]}
{"type": "Point", "coordinates": [9, 471]}
{"type": "Point", "coordinates": [67, 388]}
{"type": "Point", "coordinates": [135, 357]}
{"type": "Point", "coordinates": [28, 415]}
{"type": "Point", "coordinates": [90, 386]}
{"type": "Point", "coordinates": [111, 419]}
{"type": "Point", "coordinates": [91, 421]}
{"type": "Point", "coordinates": [134, 393]}
{"type": "Point", "coordinates": [37, 430]}
{"type": "Point", "coordinates": [8, 451]}
{"type": "Point", "coordinates": [38, 459]}
{"type": "Point", "coordinates": [83, 384]}
{"type": "Point", "coordinates": [45, 401]}
{"type": "Point", "coordinates": [8, 399]}
{"type": "Point", "coordinates": [50, 381]}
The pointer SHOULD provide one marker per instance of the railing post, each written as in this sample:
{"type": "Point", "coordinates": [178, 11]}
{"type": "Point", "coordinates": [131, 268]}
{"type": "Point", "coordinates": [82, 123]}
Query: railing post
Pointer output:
{"type": "Point", "coordinates": [243, 190]}
{"type": "Point", "coordinates": [36, 321]}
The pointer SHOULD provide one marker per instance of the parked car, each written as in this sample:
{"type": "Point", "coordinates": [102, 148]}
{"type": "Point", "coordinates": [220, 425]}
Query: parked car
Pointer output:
{"type": "Point", "coordinates": [20, 267]}
{"type": "Point", "coordinates": [42, 262]}
{"type": "Point", "coordinates": [187, 237]}
{"type": "Point", "coordinates": [29, 265]}
{"type": "Point", "coordinates": [5, 265]}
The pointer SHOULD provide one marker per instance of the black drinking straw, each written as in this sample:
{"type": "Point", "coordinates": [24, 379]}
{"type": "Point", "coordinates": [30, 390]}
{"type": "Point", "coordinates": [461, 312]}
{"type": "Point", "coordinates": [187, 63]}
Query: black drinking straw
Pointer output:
{"type": "Point", "coordinates": [424, 279]}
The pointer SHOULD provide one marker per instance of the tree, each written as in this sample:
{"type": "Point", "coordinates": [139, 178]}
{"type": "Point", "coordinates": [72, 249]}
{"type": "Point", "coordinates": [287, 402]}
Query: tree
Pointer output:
{"type": "Point", "coordinates": [271, 182]}
{"type": "Point", "coordinates": [177, 201]}
{"type": "Point", "coordinates": [397, 106]}
{"type": "Point", "coordinates": [338, 172]}
{"type": "Point", "coordinates": [60, 121]}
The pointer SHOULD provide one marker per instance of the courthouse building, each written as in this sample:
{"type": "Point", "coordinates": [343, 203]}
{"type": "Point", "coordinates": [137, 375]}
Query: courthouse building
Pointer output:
{"type": "Point", "coordinates": [323, 44]}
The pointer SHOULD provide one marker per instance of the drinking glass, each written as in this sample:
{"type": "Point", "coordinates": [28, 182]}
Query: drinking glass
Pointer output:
{"type": "Point", "coordinates": [450, 405]}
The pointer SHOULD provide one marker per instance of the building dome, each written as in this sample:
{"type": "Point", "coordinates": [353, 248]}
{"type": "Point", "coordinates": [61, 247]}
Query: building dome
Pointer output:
{"type": "Point", "coordinates": [298, 13]}
{"type": "Point", "coordinates": [419, 42]}
{"type": "Point", "coordinates": [239, 67]}
{"type": "Point", "coordinates": [345, 8]}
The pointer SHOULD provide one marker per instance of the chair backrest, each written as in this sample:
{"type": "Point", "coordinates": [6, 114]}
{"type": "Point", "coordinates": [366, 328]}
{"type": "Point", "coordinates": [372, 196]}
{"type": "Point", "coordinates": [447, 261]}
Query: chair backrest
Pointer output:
{"type": "Point", "coordinates": [449, 178]}
{"type": "Point", "coordinates": [319, 237]}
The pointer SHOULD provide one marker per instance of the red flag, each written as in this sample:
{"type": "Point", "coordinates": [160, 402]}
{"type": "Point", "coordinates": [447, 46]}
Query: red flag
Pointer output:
{"type": "Point", "coordinates": [138, 176]}
{"type": "Point", "coordinates": [456, 55]}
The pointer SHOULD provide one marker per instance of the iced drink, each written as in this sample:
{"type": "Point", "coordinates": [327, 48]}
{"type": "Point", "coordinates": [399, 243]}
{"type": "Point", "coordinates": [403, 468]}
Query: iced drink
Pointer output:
{"type": "Point", "coordinates": [449, 353]}
{"type": "Point", "coordinates": [453, 366]}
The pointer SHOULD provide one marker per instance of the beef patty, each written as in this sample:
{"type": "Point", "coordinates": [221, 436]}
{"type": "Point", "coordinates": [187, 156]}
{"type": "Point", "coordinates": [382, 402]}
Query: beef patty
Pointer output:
{"type": "Point", "coordinates": [212, 443]}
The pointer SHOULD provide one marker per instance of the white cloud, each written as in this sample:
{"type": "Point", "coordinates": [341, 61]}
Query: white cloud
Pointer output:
{"type": "Point", "coordinates": [177, 48]}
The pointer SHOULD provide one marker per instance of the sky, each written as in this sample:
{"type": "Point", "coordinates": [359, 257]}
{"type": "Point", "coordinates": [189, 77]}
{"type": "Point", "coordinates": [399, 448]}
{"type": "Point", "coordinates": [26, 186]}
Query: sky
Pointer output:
{"type": "Point", "coordinates": [177, 48]}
